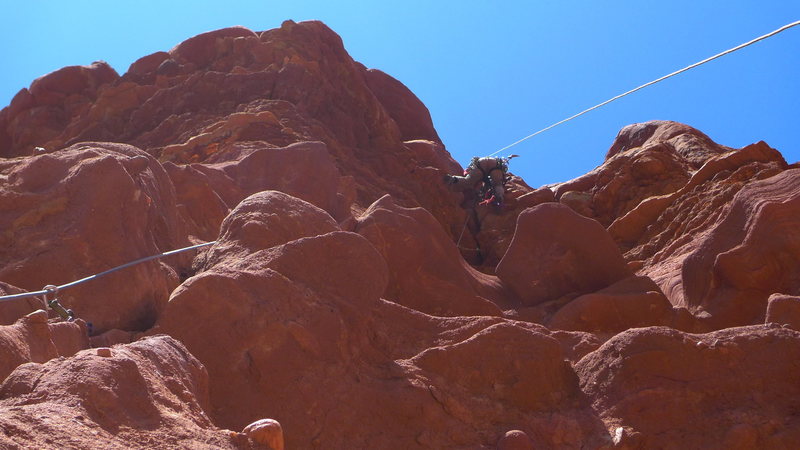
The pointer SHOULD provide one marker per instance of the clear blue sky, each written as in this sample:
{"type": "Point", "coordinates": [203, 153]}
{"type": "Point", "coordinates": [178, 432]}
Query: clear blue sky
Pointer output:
{"type": "Point", "coordinates": [490, 72]}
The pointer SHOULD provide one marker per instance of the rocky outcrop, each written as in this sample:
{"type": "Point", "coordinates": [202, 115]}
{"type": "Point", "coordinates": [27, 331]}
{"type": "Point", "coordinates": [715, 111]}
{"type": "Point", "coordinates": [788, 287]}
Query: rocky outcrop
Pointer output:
{"type": "Point", "coordinates": [230, 91]}
{"type": "Point", "coordinates": [13, 309]}
{"type": "Point", "coordinates": [645, 160]}
{"type": "Point", "coordinates": [784, 310]}
{"type": "Point", "coordinates": [630, 303]}
{"type": "Point", "coordinates": [350, 296]}
{"type": "Point", "coordinates": [265, 317]}
{"type": "Point", "coordinates": [133, 396]}
{"type": "Point", "coordinates": [557, 253]}
{"type": "Point", "coordinates": [407, 111]}
{"type": "Point", "coordinates": [749, 255]}
{"type": "Point", "coordinates": [675, 235]}
{"type": "Point", "coordinates": [661, 388]}
{"type": "Point", "coordinates": [687, 213]}
{"type": "Point", "coordinates": [426, 272]}
{"type": "Point", "coordinates": [85, 209]}
{"type": "Point", "coordinates": [33, 339]}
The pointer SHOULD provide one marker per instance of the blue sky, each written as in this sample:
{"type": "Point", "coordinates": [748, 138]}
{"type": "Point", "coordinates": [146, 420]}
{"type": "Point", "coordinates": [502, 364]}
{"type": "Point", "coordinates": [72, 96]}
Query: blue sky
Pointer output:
{"type": "Point", "coordinates": [490, 72]}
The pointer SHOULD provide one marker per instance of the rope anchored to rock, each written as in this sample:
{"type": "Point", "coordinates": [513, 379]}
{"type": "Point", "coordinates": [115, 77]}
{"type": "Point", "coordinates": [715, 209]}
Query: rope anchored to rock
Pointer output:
{"type": "Point", "coordinates": [52, 290]}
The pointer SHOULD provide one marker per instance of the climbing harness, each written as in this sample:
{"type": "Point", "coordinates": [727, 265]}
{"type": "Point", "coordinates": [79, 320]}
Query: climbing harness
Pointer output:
{"type": "Point", "coordinates": [52, 290]}
{"type": "Point", "coordinates": [738, 47]}
{"type": "Point", "coordinates": [487, 190]}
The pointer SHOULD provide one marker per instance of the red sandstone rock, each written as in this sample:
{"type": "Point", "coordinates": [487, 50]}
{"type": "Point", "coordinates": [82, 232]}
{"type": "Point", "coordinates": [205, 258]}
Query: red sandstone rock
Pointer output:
{"type": "Point", "coordinates": [207, 192]}
{"type": "Point", "coordinates": [32, 339]}
{"type": "Point", "coordinates": [784, 309]}
{"type": "Point", "coordinates": [285, 309]}
{"type": "Point", "coordinates": [266, 220]}
{"type": "Point", "coordinates": [645, 160]}
{"type": "Point", "coordinates": [152, 392]}
{"type": "Point", "coordinates": [112, 337]}
{"type": "Point", "coordinates": [515, 350]}
{"type": "Point", "coordinates": [76, 212]}
{"type": "Point", "coordinates": [631, 303]}
{"type": "Point", "coordinates": [12, 310]}
{"type": "Point", "coordinates": [722, 389]}
{"type": "Point", "coordinates": [749, 255]}
{"type": "Point", "coordinates": [218, 92]}
{"type": "Point", "coordinates": [716, 179]}
{"type": "Point", "coordinates": [145, 65]}
{"type": "Point", "coordinates": [72, 80]}
{"type": "Point", "coordinates": [515, 440]}
{"type": "Point", "coordinates": [202, 49]}
{"type": "Point", "coordinates": [688, 142]}
{"type": "Point", "coordinates": [431, 153]}
{"type": "Point", "coordinates": [495, 230]}
{"type": "Point", "coordinates": [403, 106]}
{"type": "Point", "coordinates": [669, 229]}
{"type": "Point", "coordinates": [265, 317]}
{"type": "Point", "coordinates": [426, 271]}
{"type": "Point", "coordinates": [43, 111]}
{"type": "Point", "coordinates": [577, 344]}
{"type": "Point", "coordinates": [668, 213]}
{"type": "Point", "coordinates": [273, 262]}
{"type": "Point", "coordinates": [556, 252]}
{"type": "Point", "coordinates": [201, 206]}
{"type": "Point", "coordinates": [267, 432]}
{"type": "Point", "coordinates": [303, 170]}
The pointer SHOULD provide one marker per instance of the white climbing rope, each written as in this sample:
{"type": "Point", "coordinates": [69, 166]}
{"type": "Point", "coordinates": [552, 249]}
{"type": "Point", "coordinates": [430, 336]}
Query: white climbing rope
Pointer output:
{"type": "Point", "coordinates": [51, 289]}
{"type": "Point", "coordinates": [738, 47]}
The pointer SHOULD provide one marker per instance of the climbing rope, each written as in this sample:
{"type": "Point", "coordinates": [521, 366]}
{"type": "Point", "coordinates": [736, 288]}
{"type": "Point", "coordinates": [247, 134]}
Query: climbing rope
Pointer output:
{"type": "Point", "coordinates": [739, 47]}
{"type": "Point", "coordinates": [53, 290]}
{"type": "Point", "coordinates": [458, 244]}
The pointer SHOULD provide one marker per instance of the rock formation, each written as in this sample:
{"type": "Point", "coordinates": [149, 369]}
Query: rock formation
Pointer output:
{"type": "Point", "coordinates": [152, 392]}
{"type": "Point", "coordinates": [350, 300]}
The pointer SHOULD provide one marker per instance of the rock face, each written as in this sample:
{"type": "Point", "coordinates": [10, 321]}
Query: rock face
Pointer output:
{"type": "Point", "coordinates": [645, 160]}
{"type": "Point", "coordinates": [349, 296]}
{"type": "Point", "coordinates": [282, 322]}
{"type": "Point", "coordinates": [218, 92]}
{"type": "Point", "coordinates": [426, 272]}
{"type": "Point", "coordinates": [13, 309]}
{"type": "Point", "coordinates": [733, 388]}
{"type": "Point", "coordinates": [147, 392]}
{"type": "Point", "coordinates": [750, 254]}
{"type": "Point", "coordinates": [32, 339]}
{"type": "Point", "coordinates": [785, 310]}
{"type": "Point", "coordinates": [86, 209]}
{"type": "Point", "coordinates": [630, 303]}
{"type": "Point", "coordinates": [556, 252]}
{"type": "Point", "coordinates": [716, 215]}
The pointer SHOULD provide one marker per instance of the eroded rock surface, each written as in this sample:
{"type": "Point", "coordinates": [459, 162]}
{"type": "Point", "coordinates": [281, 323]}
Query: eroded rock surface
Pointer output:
{"type": "Point", "coordinates": [733, 388]}
{"type": "Point", "coordinates": [79, 211]}
{"type": "Point", "coordinates": [426, 272]}
{"type": "Point", "coordinates": [149, 393]}
{"type": "Point", "coordinates": [354, 300]}
{"type": "Point", "coordinates": [264, 318]}
{"type": "Point", "coordinates": [556, 252]}
{"type": "Point", "coordinates": [33, 339]}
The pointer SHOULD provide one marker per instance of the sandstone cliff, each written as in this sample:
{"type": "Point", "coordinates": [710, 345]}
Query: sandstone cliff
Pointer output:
{"type": "Point", "coordinates": [651, 303]}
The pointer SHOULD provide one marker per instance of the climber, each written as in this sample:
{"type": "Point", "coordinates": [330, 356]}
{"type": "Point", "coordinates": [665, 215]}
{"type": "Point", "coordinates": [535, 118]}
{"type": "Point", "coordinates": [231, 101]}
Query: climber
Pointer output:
{"type": "Point", "coordinates": [492, 172]}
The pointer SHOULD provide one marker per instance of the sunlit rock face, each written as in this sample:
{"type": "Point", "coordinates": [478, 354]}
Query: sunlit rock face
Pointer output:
{"type": "Point", "coordinates": [351, 300]}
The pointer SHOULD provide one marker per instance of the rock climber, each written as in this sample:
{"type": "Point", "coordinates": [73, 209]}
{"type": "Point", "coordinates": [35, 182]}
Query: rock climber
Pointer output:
{"type": "Point", "coordinates": [490, 171]}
